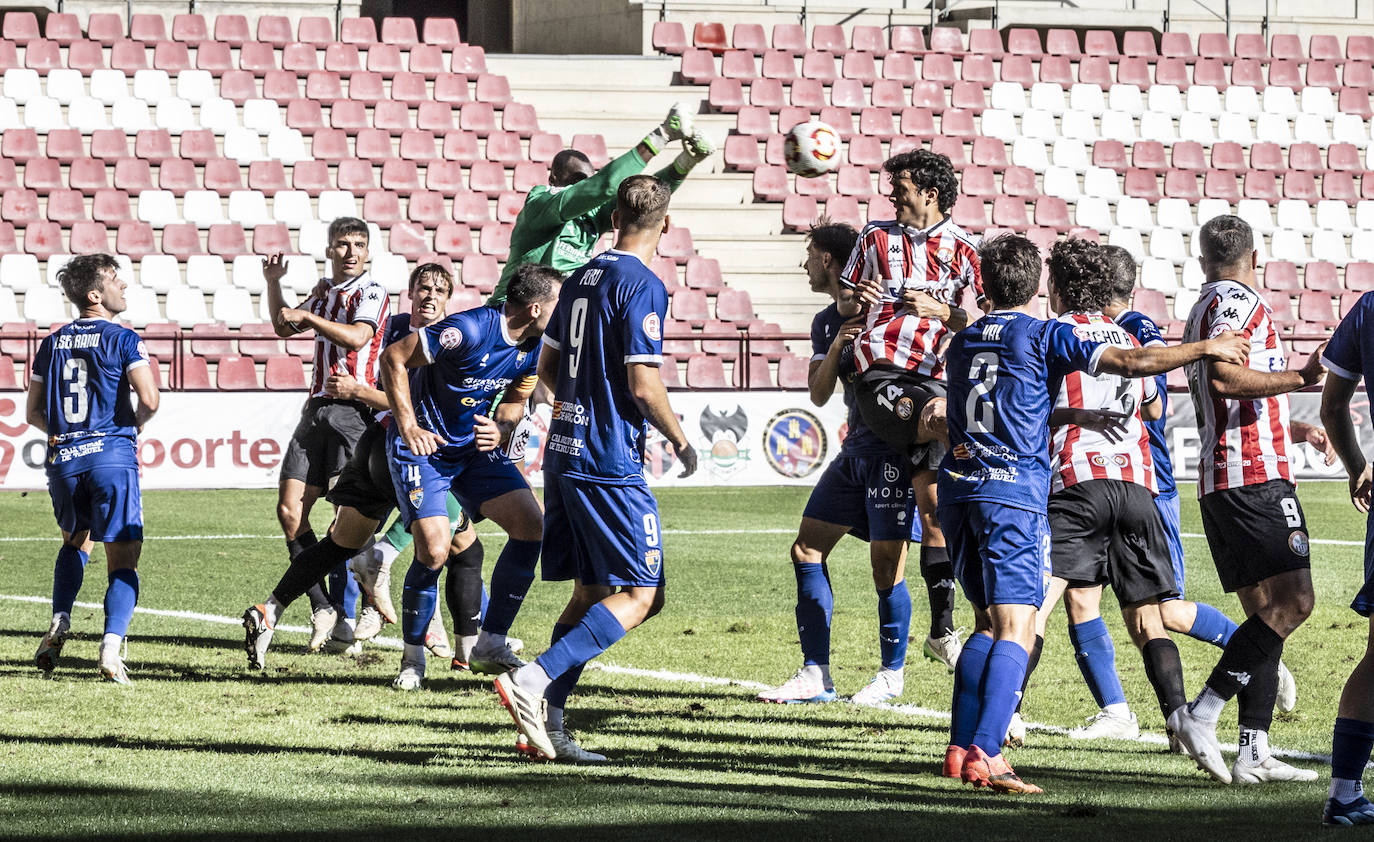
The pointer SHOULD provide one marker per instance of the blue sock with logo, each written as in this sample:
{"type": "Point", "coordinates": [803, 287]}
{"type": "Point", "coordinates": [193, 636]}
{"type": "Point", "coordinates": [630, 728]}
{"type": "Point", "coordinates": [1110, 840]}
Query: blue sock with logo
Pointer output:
{"type": "Point", "coordinates": [1212, 626]}
{"type": "Point", "coordinates": [598, 631]}
{"type": "Point", "coordinates": [343, 591]}
{"type": "Point", "coordinates": [1000, 693]}
{"type": "Point", "coordinates": [815, 603]}
{"type": "Point", "coordinates": [1096, 656]}
{"type": "Point", "coordinates": [510, 581]}
{"type": "Point", "coordinates": [968, 677]}
{"type": "Point", "coordinates": [894, 624]}
{"type": "Point", "coordinates": [560, 687]}
{"type": "Point", "coordinates": [67, 574]}
{"type": "Point", "coordinates": [418, 599]}
{"type": "Point", "coordinates": [120, 598]}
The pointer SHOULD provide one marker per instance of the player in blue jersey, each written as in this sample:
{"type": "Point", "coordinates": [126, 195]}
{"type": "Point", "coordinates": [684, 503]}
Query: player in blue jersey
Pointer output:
{"type": "Point", "coordinates": [446, 438]}
{"type": "Point", "coordinates": [865, 491]}
{"type": "Point", "coordinates": [79, 396]}
{"type": "Point", "coordinates": [600, 360]}
{"type": "Point", "coordinates": [994, 487]}
{"type": "Point", "coordinates": [1349, 357]}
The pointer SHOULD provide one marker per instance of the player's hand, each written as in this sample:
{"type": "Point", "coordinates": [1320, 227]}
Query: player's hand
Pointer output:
{"type": "Point", "coordinates": [1317, 437]}
{"type": "Point", "coordinates": [687, 455]}
{"type": "Point", "coordinates": [1229, 347]}
{"type": "Point", "coordinates": [925, 305]}
{"type": "Point", "coordinates": [1111, 424]}
{"type": "Point", "coordinates": [293, 318]}
{"type": "Point", "coordinates": [848, 332]}
{"type": "Point", "coordinates": [342, 386]}
{"type": "Point", "coordinates": [1313, 372]}
{"type": "Point", "coordinates": [1362, 488]}
{"type": "Point", "coordinates": [870, 291]}
{"type": "Point", "coordinates": [274, 268]}
{"type": "Point", "coordinates": [421, 441]}
{"type": "Point", "coordinates": [486, 433]}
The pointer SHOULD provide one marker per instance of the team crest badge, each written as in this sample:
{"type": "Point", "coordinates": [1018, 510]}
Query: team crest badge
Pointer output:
{"type": "Point", "coordinates": [794, 443]}
{"type": "Point", "coordinates": [652, 328]}
{"type": "Point", "coordinates": [1298, 543]}
{"type": "Point", "coordinates": [724, 432]}
{"type": "Point", "coordinates": [904, 408]}
{"type": "Point", "coordinates": [945, 255]}
{"type": "Point", "coordinates": [653, 560]}
{"type": "Point", "coordinates": [452, 337]}
{"type": "Point", "coordinates": [417, 496]}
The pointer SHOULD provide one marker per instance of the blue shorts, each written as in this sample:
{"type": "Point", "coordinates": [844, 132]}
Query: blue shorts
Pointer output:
{"type": "Point", "coordinates": [472, 476]}
{"type": "Point", "coordinates": [1001, 554]}
{"type": "Point", "coordinates": [601, 534]}
{"type": "Point", "coordinates": [869, 494]}
{"type": "Point", "coordinates": [1363, 604]}
{"type": "Point", "coordinates": [1167, 505]}
{"type": "Point", "coordinates": [106, 500]}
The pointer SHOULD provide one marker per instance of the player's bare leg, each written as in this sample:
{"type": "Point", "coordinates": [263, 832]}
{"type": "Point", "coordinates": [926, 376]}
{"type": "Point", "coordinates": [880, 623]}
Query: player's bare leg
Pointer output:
{"type": "Point", "coordinates": [521, 516]}
{"type": "Point", "coordinates": [815, 600]}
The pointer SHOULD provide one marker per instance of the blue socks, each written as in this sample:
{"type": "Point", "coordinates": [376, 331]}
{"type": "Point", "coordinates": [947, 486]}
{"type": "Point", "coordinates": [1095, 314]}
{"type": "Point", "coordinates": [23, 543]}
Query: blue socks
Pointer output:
{"type": "Point", "coordinates": [597, 632]}
{"type": "Point", "coordinates": [1000, 693]}
{"type": "Point", "coordinates": [894, 624]}
{"type": "Point", "coordinates": [815, 602]}
{"type": "Point", "coordinates": [560, 687]}
{"type": "Point", "coordinates": [343, 591]}
{"type": "Point", "coordinates": [510, 581]}
{"type": "Point", "coordinates": [67, 573]}
{"type": "Point", "coordinates": [1092, 647]}
{"type": "Point", "coordinates": [1212, 626]}
{"type": "Point", "coordinates": [417, 602]}
{"type": "Point", "coordinates": [1351, 742]}
{"type": "Point", "coordinates": [120, 598]}
{"type": "Point", "coordinates": [968, 677]}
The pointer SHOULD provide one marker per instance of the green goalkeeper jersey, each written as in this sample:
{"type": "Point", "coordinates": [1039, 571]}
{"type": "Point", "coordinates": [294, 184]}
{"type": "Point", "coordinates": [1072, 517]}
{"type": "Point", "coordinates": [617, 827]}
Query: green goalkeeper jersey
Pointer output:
{"type": "Point", "coordinates": [559, 226]}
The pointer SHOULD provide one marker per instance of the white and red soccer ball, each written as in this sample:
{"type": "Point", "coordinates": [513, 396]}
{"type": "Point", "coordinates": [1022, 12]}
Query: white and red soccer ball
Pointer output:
{"type": "Point", "coordinates": [812, 149]}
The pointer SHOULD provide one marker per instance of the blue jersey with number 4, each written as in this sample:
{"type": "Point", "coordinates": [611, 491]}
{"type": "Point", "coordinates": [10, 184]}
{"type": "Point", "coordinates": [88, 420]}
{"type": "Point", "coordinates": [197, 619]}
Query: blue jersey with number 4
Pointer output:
{"type": "Point", "coordinates": [83, 369]}
{"type": "Point", "coordinates": [998, 371]}
{"type": "Point", "coordinates": [610, 314]}
{"type": "Point", "coordinates": [472, 360]}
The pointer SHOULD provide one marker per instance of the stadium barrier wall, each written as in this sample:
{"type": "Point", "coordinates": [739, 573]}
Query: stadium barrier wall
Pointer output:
{"type": "Point", "coordinates": [236, 440]}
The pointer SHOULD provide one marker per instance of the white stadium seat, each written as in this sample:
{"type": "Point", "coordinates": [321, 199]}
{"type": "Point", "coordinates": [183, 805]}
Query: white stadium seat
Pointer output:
{"type": "Point", "coordinates": [1166, 99]}
{"type": "Point", "coordinates": [108, 86]}
{"type": "Point", "coordinates": [186, 306]}
{"type": "Point", "coordinates": [65, 85]}
{"type": "Point", "coordinates": [1126, 98]}
{"type": "Point", "coordinates": [1257, 212]}
{"type": "Point", "coordinates": [1197, 126]}
{"type": "Point", "coordinates": [1119, 125]}
{"type": "Point", "coordinates": [1039, 124]}
{"type": "Point", "coordinates": [132, 115]}
{"type": "Point", "coordinates": [158, 208]}
{"type": "Point", "coordinates": [1192, 274]}
{"type": "Point", "coordinates": [287, 145]}
{"type": "Point", "coordinates": [1158, 126]}
{"type": "Point", "coordinates": [1129, 239]}
{"type": "Point", "coordinates": [1061, 182]}
{"type": "Point", "coordinates": [1174, 213]}
{"type": "Point", "coordinates": [1294, 214]}
{"type": "Point", "coordinates": [336, 203]}
{"type": "Point", "coordinates": [392, 271]}
{"type": "Point", "coordinates": [175, 115]}
{"type": "Point", "coordinates": [142, 306]}
{"type": "Point", "coordinates": [1242, 100]}
{"type": "Point", "coordinates": [1007, 96]}
{"type": "Point", "coordinates": [1235, 128]}
{"type": "Point", "coordinates": [249, 208]}
{"type": "Point", "coordinates": [43, 114]}
{"type": "Point", "coordinates": [1204, 99]}
{"type": "Point", "coordinates": [247, 273]}
{"type": "Point", "coordinates": [1280, 100]}
{"type": "Point", "coordinates": [1089, 98]}
{"type": "Point", "coordinates": [1047, 96]}
{"type": "Point", "coordinates": [1312, 128]}
{"type": "Point", "coordinates": [87, 114]}
{"type": "Point", "coordinates": [1158, 275]}
{"type": "Point", "coordinates": [1077, 125]}
{"type": "Point", "coordinates": [1167, 244]}
{"type": "Point", "coordinates": [1288, 245]}
{"type": "Point", "coordinates": [233, 306]}
{"type": "Point", "coordinates": [218, 115]}
{"type": "Point", "coordinates": [46, 306]}
{"type": "Point", "coordinates": [1100, 181]}
{"type": "Point", "coordinates": [20, 271]}
{"type": "Point", "coordinates": [22, 84]}
{"type": "Point", "coordinates": [292, 207]}
{"type": "Point", "coordinates": [1362, 245]}
{"type": "Point", "coordinates": [1093, 212]}
{"type": "Point", "coordinates": [1070, 153]}
{"type": "Point", "coordinates": [203, 207]}
{"type": "Point", "coordinates": [242, 144]}
{"type": "Point", "coordinates": [1274, 128]}
{"type": "Point", "coordinates": [1330, 246]}
{"type": "Point", "coordinates": [1000, 124]}
{"type": "Point", "coordinates": [261, 115]}
{"type": "Point", "coordinates": [1319, 101]}
{"type": "Point", "coordinates": [206, 272]}
{"type": "Point", "coordinates": [1133, 212]}
{"type": "Point", "coordinates": [159, 272]}
{"type": "Point", "coordinates": [152, 85]}
{"type": "Point", "coordinates": [1212, 208]}
{"type": "Point", "coordinates": [196, 86]}
{"type": "Point", "coordinates": [1184, 300]}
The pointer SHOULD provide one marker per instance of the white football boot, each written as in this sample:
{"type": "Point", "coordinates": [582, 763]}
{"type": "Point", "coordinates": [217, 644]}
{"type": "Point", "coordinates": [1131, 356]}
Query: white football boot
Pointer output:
{"type": "Point", "coordinates": [1105, 725]}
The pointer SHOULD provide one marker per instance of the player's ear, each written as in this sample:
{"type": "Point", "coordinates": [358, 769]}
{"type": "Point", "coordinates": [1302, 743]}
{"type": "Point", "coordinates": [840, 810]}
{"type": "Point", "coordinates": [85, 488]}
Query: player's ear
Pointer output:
{"type": "Point", "coordinates": [664, 229]}
{"type": "Point", "coordinates": [615, 219]}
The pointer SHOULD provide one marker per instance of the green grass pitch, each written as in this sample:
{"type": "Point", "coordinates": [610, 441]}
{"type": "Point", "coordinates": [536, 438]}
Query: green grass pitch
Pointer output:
{"type": "Point", "coordinates": [321, 746]}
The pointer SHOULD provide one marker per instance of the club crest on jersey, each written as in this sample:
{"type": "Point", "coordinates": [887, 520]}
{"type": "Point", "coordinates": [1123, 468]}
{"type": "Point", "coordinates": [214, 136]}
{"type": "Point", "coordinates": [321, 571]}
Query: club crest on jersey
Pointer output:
{"type": "Point", "coordinates": [452, 337]}
{"type": "Point", "coordinates": [1298, 543]}
{"type": "Point", "coordinates": [653, 560]}
{"type": "Point", "coordinates": [945, 255]}
{"type": "Point", "coordinates": [652, 328]}
{"type": "Point", "coordinates": [142, 350]}
{"type": "Point", "coordinates": [794, 443]}
{"type": "Point", "coordinates": [904, 408]}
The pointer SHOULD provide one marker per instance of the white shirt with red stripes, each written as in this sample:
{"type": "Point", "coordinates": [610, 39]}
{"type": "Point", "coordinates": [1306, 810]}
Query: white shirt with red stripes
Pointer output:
{"type": "Point", "coordinates": [360, 299]}
{"type": "Point", "coordinates": [1082, 454]}
{"type": "Point", "coordinates": [1244, 442]}
{"type": "Point", "coordinates": [941, 260]}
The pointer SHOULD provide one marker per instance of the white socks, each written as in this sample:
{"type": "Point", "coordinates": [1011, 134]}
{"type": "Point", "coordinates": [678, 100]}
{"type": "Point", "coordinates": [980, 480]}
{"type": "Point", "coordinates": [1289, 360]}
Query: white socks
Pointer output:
{"type": "Point", "coordinates": [1207, 706]}
{"type": "Point", "coordinates": [1343, 790]}
{"type": "Point", "coordinates": [273, 611]}
{"type": "Point", "coordinates": [1254, 746]}
{"type": "Point", "coordinates": [821, 672]}
{"type": "Point", "coordinates": [1120, 710]}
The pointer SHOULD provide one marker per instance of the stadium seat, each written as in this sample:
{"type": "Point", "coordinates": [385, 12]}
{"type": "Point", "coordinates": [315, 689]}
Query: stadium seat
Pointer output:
{"type": "Point", "coordinates": [284, 373]}
{"type": "Point", "coordinates": [705, 372]}
{"type": "Point", "coordinates": [669, 37]}
{"type": "Point", "coordinates": [236, 374]}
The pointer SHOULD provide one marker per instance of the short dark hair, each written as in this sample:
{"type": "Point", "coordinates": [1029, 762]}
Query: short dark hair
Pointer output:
{"type": "Point", "coordinates": [561, 168]}
{"type": "Point", "coordinates": [836, 239]}
{"type": "Point", "coordinates": [533, 282]}
{"type": "Point", "coordinates": [1226, 240]}
{"type": "Point", "coordinates": [927, 170]}
{"type": "Point", "coordinates": [1081, 275]}
{"type": "Point", "coordinates": [437, 270]}
{"type": "Point", "coordinates": [642, 202]}
{"type": "Point", "coordinates": [1123, 272]}
{"type": "Point", "coordinates": [1010, 268]}
{"type": "Point", "coordinates": [81, 274]}
{"type": "Point", "coordinates": [345, 225]}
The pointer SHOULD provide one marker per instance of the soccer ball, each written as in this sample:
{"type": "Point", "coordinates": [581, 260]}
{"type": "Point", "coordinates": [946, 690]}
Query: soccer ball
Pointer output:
{"type": "Point", "coordinates": [812, 149]}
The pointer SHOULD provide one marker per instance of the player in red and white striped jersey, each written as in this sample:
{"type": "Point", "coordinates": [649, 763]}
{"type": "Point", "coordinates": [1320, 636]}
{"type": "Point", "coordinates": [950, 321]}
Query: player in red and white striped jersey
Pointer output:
{"type": "Point", "coordinates": [911, 273]}
{"type": "Point", "coordinates": [1250, 511]}
{"type": "Point", "coordinates": [346, 311]}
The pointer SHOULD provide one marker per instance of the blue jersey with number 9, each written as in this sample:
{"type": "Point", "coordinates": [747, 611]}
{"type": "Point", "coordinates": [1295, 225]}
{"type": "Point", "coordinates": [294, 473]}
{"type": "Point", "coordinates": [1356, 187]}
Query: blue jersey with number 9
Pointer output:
{"type": "Point", "coordinates": [610, 314]}
{"type": "Point", "coordinates": [83, 369]}
{"type": "Point", "coordinates": [999, 371]}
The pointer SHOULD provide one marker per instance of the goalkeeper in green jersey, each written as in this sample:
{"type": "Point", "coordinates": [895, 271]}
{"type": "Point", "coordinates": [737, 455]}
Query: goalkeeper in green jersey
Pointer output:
{"type": "Point", "coordinates": [561, 222]}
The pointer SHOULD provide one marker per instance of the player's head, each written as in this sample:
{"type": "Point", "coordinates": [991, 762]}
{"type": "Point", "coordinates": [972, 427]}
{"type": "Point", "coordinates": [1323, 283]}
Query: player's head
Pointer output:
{"type": "Point", "coordinates": [530, 297]}
{"type": "Point", "coordinates": [641, 206]}
{"type": "Point", "coordinates": [1227, 246]}
{"type": "Point", "coordinates": [1010, 266]}
{"type": "Point", "coordinates": [92, 281]}
{"type": "Point", "coordinates": [1123, 273]}
{"type": "Point", "coordinates": [431, 286]}
{"type": "Point", "coordinates": [569, 167]}
{"type": "Point", "coordinates": [1080, 277]}
{"type": "Point", "coordinates": [828, 245]}
{"type": "Point", "coordinates": [348, 238]}
{"type": "Point", "coordinates": [924, 186]}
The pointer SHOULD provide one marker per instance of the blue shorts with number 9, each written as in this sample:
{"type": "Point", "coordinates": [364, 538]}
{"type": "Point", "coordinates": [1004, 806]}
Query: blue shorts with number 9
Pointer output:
{"type": "Point", "coordinates": [601, 534]}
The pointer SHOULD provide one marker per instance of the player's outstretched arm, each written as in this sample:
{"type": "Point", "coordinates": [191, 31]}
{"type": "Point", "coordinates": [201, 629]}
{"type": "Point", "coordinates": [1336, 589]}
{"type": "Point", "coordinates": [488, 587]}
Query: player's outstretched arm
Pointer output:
{"type": "Point", "coordinates": [398, 356]}
{"type": "Point", "coordinates": [1240, 382]}
{"type": "Point", "coordinates": [1226, 348]}
{"type": "Point", "coordinates": [1340, 429]}
{"type": "Point", "coordinates": [651, 396]}
{"type": "Point", "coordinates": [273, 270]}
{"type": "Point", "coordinates": [145, 389]}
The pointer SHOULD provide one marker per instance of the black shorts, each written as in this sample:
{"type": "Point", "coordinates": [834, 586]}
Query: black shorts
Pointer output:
{"type": "Point", "coordinates": [1109, 531]}
{"type": "Point", "coordinates": [890, 401]}
{"type": "Point", "coordinates": [323, 441]}
{"type": "Point", "coordinates": [1254, 532]}
{"type": "Point", "coordinates": [365, 483]}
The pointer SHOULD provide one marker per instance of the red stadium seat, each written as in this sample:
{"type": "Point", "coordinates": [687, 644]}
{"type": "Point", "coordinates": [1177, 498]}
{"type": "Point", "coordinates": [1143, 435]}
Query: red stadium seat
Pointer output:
{"type": "Point", "coordinates": [1340, 186]}
{"type": "Point", "coordinates": [899, 67]}
{"type": "Point", "coordinates": [1064, 42]}
{"type": "Point", "coordinates": [1355, 101]}
{"type": "Point", "coordinates": [1258, 185]}
{"type": "Point", "coordinates": [1096, 70]}
{"type": "Point", "coordinates": [21, 144]}
{"type": "Point", "coordinates": [1321, 276]}
{"type": "Point", "coordinates": [275, 30]}
{"type": "Point", "coordinates": [214, 57]}
{"type": "Point", "coordinates": [726, 95]}
{"type": "Point", "coordinates": [314, 30]}
{"type": "Point", "coordinates": [1214, 45]}
{"type": "Point", "coordinates": [677, 244]}
{"type": "Point", "coordinates": [88, 175]}
{"type": "Point", "coordinates": [1102, 42]}
{"type": "Point", "coordinates": [1315, 308]}
{"type": "Point", "coordinates": [111, 207]}
{"type": "Point", "coordinates": [1263, 156]}
{"type": "Point", "coordinates": [284, 373]}
{"type": "Point", "coordinates": [105, 27]}
{"type": "Point", "coordinates": [697, 67]}
{"type": "Point", "coordinates": [227, 239]}
{"type": "Point", "coordinates": [190, 29]}
{"type": "Point", "coordinates": [1302, 186]}
{"type": "Point", "coordinates": [408, 239]}
{"type": "Point", "coordinates": [1280, 274]}
{"type": "Point", "coordinates": [669, 37]}
{"type": "Point", "coordinates": [946, 40]}
{"type": "Point", "coordinates": [300, 58]}
{"type": "Point", "coordinates": [1180, 184]}
{"type": "Point", "coordinates": [148, 28]}
{"type": "Point", "coordinates": [305, 115]}
{"type": "Point", "coordinates": [232, 30]}
{"type": "Point", "coordinates": [355, 176]}
{"type": "Point", "coordinates": [86, 56]}
{"type": "Point", "coordinates": [20, 207]}
{"type": "Point", "coordinates": [706, 372]}
{"type": "Point", "coordinates": [66, 206]}
{"type": "Point", "coordinates": [985, 43]}
{"type": "Point", "coordinates": [133, 175]}
{"type": "Point", "coordinates": [236, 374]}
{"type": "Point", "coordinates": [1359, 276]}
{"type": "Point", "coordinates": [258, 58]}
{"type": "Point", "coordinates": [382, 207]}
{"type": "Point", "coordinates": [222, 175]}
{"type": "Point", "coordinates": [359, 31]}
{"type": "Point", "coordinates": [1227, 155]}
{"type": "Point", "coordinates": [43, 175]}
{"type": "Point", "coordinates": [909, 39]}
{"type": "Point", "coordinates": [43, 239]}
{"type": "Point", "coordinates": [487, 177]}
{"type": "Point", "coordinates": [1024, 42]}
{"type": "Point", "coordinates": [64, 28]}
{"type": "Point", "coordinates": [1111, 154]}
{"type": "Point", "coordinates": [1245, 72]}
{"type": "Point", "coordinates": [182, 239]}
{"type": "Point", "coordinates": [777, 64]}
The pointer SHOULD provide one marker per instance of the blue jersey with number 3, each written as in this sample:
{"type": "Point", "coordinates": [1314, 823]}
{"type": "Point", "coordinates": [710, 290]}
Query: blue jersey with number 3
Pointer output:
{"type": "Point", "coordinates": [83, 369]}
{"type": "Point", "coordinates": [998, 371]}
{"type": "Point", "coordinates": [610, 314]}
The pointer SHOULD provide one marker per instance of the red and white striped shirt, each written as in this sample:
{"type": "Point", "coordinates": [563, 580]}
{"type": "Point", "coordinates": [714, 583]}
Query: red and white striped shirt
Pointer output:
{"type": "Point", "coordinates": [1244, 442]}
{"type": "Point", "coordinates": [941, 261]}
{"type": "Point", "coordinates": [358, 300]}
{"type": "Point", "coordinates": [1081, 454]}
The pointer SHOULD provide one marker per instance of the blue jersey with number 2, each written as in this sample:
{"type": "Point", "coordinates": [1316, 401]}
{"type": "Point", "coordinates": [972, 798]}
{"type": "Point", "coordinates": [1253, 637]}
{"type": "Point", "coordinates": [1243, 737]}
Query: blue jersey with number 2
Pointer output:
{"type": "Point", "coordinates": [998, 370]}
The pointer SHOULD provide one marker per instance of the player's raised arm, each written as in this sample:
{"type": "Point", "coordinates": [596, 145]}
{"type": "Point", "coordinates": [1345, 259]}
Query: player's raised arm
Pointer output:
{"type": "Point", "coordinates": [651, 396]}
{"type": "Point", "coordinates": [399, 356]}
{"type": "Point", "coordinates": [273, 270]}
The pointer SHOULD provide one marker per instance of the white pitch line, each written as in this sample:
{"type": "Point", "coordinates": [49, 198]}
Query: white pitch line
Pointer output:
{"type": "Point", "coordinates": [668, 676]}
